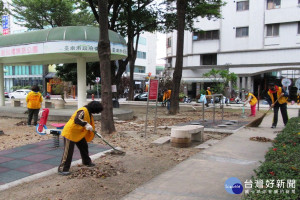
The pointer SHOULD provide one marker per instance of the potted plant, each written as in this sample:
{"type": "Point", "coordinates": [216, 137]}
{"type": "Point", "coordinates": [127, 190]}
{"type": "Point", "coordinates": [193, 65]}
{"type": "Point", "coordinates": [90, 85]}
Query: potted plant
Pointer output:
{"type": "Point", "coordinates": [59, 89]}
{"type": "Point", "coordinates": [181, 96]}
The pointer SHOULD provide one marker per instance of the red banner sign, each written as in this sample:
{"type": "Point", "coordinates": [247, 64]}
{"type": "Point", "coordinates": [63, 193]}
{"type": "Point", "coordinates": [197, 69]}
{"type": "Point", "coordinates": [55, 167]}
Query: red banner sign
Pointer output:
{"type": "Point", "coordinates": [153, 89]}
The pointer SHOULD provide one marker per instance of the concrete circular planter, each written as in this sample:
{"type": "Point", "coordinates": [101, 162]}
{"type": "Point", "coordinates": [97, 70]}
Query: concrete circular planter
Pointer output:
{"type": "Point", "coordinates": [59, 104]}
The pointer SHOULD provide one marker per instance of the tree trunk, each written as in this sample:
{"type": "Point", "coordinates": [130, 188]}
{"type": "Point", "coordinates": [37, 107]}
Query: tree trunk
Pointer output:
{"type": "Point", "coordinates": [121, 70]}
{"type": "Point", "coordinates": [107, 121]}
{"type": "Point", "coordinates": [181, 9]}
{"type": "Point", "coordinates": [131, 67]}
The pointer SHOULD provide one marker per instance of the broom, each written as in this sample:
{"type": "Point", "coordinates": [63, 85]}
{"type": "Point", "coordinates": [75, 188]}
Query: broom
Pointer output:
{"type": "Point", "coordinates": [258, 121]}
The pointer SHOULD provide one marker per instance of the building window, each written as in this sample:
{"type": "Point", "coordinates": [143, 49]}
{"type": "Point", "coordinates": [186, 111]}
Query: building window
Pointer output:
{"type": "Point", "coordinates": [169, 42]}
{"type": "Point", "coordinates": [209, 59]}
{"type": "Point", "coordinates": [273, 30]}
{"type": "Point", "coordinates": [272, 4]}
{"type": "Point", "coordinates": [139, 69]}
{"type": "Point", "coordinates": [141, 55]}
{"type": "Point", "coordinates": [206, 35]}
{"type": "Point", "coordinates": [242, 5]}
{"type": "Point", "coordinates": [242, 32]}
{"type": "Point", "coordinates": [142, 40]}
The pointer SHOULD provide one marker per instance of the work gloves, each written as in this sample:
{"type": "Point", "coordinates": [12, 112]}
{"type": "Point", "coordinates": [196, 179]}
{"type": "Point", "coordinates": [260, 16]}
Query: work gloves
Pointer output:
{"type": "Point", "coordinates": [88, 127]}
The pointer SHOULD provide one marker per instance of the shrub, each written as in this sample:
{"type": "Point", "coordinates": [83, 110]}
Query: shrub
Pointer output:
{"type": "Point", "coordinates": [282, 162]}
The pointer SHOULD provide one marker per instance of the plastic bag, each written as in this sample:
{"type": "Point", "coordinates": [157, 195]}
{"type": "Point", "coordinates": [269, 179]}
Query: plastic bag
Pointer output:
{"type": "Point", "coordinates": [202, 99]}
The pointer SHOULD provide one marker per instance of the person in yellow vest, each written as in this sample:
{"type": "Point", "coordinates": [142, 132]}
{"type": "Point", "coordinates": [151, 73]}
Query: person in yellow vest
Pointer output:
{"type": "Point", "coordinates": [208, 97]}
{"type": "Point", "coordinates": [167, 97]}
{"type": "Point", "coordinates": [79, 130]}
{"type": "Point", "coordinates": [252, 100]}
{"type": "Point", "coordinates": [34, 99]}
{"type": "Point", "coordinates": [279, 93]}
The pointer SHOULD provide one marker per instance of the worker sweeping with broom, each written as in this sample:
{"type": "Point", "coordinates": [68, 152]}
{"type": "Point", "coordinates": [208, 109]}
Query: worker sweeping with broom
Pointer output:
{"type": "Point", "coordinates": [277, 98]}
{"type": "Point", "coordinates": [79, 130]}
{"type": "Point", "coordinates": [252, 100]}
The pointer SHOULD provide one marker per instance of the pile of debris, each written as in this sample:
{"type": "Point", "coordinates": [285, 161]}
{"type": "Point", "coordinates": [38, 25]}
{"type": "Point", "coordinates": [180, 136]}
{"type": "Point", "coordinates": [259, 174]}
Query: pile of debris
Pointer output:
{"type": "Point", "coordinates": [101, 170]}
{"type": "Point", "coordinates": [261, 139]}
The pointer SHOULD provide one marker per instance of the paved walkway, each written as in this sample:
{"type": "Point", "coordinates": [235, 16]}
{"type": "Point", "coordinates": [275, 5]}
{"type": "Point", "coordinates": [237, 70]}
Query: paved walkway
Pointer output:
{"type": "Point", "coordinates": [59, 114]}
{"type": "Point", "coordinates": [21, 163]}
{"type": "Point", "coordinates": [202, 177]}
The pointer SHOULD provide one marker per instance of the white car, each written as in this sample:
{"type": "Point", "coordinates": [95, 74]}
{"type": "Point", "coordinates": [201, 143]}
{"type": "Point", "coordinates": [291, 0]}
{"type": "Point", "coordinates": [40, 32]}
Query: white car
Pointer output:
{"type": "Point", "coordinates": [19, 94]}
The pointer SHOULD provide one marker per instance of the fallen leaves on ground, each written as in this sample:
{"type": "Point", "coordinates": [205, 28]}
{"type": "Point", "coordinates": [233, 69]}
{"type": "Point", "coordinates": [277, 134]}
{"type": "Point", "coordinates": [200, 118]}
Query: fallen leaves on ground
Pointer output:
{"type": "Point", "coordinates": [21, 123]}
{"type": "Point", "coordinates": [260, 139]}
{"type": "Point", "coordinates": [101, 170]}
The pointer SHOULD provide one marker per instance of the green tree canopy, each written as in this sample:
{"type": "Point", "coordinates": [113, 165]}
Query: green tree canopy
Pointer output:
{"type": "Point", "coordinates": [40, 14]}
{"type": "Point", "coordinates": [221, 79]}
{"type": "Point", "coordinates": [68, 72]}
{"type": "Point", "coordinates": [194, 11]}
{"type": "Point", "coordinates": [129, 18]}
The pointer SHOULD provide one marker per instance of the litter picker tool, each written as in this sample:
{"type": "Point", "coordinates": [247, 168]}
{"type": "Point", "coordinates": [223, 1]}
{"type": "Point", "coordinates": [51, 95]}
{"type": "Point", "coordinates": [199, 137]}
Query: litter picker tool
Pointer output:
{"type": "Point", "coordinates": [258, 121]}
{"type": "Point", "coordinates": [243, 112]}
{"type": "Point", "coordinates": [116, 151]}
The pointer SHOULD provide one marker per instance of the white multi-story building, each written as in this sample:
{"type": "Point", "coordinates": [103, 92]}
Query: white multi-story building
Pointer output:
{"type": "Point", "coordinates": [256, 39]}
{"type": "Point", "coordinates": [146, 53]}
{"type": "Point", "coordinates": [146, 58]}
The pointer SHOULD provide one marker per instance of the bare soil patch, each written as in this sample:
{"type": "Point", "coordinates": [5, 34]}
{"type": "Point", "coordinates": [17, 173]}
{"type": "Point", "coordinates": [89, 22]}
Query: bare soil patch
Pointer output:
{"type": "Point", "coordinates": [113, 176]}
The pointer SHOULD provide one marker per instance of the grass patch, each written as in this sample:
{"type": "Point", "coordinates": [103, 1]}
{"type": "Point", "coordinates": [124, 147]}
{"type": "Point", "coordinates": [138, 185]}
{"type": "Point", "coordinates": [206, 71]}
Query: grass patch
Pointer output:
{"type": "Point", "coordinates": [279, 176]}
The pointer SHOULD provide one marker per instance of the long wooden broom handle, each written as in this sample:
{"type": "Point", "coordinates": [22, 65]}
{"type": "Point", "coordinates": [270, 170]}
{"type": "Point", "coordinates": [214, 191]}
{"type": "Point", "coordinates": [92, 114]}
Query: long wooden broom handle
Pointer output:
{"type": "Point", "coordinates": [271, 107]}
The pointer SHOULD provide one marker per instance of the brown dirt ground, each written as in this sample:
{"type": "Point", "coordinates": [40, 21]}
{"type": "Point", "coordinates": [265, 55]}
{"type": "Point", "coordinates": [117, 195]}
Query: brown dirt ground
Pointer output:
{"type": "Point", "coordinates": [114, 176]}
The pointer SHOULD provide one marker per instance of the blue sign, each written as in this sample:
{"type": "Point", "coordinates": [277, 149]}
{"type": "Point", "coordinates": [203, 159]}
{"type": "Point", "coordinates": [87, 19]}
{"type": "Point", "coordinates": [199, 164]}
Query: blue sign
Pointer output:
{"type": "Point", "coordinates": [5, 21]}
{"type": "Point", "coordinates": [233, 186]}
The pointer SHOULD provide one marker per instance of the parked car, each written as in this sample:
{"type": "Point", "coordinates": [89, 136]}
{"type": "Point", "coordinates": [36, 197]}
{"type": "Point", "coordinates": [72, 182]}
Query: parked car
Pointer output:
{"type": "Point", "coordinates": [19, 94]}
{"type": "Point", "coordinates": [141, 97]}
{"type": "Point", "coordinates": [6, 95]}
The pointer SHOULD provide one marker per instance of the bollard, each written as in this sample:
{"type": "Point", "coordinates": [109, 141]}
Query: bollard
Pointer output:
{"type": "Point", "coordinates": [298, 112]}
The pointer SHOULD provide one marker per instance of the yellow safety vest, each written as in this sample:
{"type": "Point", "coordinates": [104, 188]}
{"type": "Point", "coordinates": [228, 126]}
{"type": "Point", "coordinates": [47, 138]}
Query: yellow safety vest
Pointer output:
{"type": "Point", "coordinates": [281, 100]}
{"type": "Point", "coordinates": [167, 95]}
{"type": "Point", "coordinates": [75, 132]}
{"type": "Point", "coordinates": [34, 100]}
{"type": "Point", "coordinates": [253, 100]}
{"type": "Point", "coordinates": [208, 92]}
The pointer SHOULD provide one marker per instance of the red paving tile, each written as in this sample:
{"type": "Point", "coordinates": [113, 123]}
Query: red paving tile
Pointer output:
{"type": "Point", "coordinates": [38, 157]}
{"type": "Point", "coordinates": [3, 169]}
{"type": "Point", "coordinates": [5, 159]}
{"type": "Point", "coordinates": [39, 150]}
{"type": "Point", "coordinates": [7, 151]}
{"type": "Point", "coordinates": [36, 168]}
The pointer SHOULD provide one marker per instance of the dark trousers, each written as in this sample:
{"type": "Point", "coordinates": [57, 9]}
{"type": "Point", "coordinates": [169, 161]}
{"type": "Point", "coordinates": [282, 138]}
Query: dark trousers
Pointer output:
{"type": "Point", "coordinates": [66, 160]}
{"type": "Point", "coordinates": [33, 113]}
{"type": "Point", "coordinates": [283, 110]}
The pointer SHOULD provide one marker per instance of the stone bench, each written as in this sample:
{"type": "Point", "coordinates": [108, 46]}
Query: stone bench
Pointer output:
{"type": "Point", "coordinates": [48, 104]}
{"type": "Point", "coordinates": [15, 102]}
{"type": "Point", "coordinates": [182, 136]}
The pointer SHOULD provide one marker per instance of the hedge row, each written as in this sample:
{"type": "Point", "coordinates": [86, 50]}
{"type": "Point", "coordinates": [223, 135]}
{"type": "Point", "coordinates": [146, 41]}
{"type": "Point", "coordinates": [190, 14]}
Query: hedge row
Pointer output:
{"type": "Point", "coordinates": [282, 164]}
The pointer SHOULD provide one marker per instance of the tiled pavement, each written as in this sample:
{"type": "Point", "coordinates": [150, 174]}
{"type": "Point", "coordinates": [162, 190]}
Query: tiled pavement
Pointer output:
{"type": "Point", "coordinates": [31, 159]}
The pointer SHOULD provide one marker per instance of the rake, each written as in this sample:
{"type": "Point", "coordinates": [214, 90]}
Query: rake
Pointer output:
{"type": "Point", "coordinates": [116, 151]}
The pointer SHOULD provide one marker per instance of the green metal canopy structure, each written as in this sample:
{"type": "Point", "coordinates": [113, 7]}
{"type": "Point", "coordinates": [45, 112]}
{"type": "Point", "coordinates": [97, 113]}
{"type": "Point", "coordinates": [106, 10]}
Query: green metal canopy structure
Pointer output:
{"type": "Point", "coordinates": [69, 44]}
